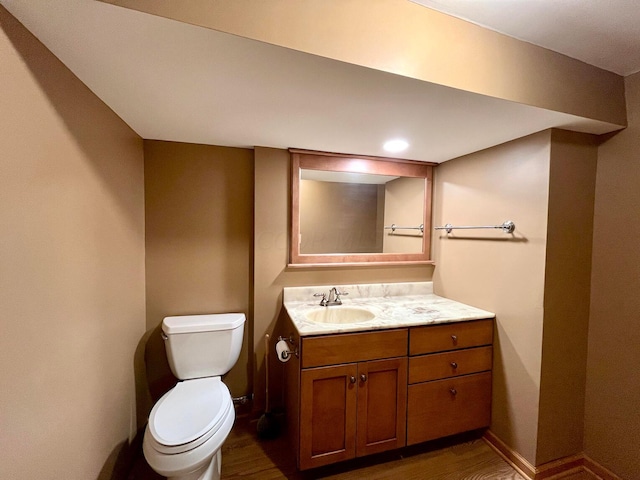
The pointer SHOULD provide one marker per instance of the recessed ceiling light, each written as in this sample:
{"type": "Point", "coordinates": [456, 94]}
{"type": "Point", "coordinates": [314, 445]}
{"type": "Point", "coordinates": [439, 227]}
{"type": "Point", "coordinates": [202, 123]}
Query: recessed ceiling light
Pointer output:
{"type": "Point", "coordinates": [396, 145]}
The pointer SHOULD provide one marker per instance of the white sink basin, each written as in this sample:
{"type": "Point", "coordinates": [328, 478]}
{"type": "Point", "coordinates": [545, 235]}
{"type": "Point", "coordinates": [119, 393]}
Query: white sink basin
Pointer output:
{"type": "Point", "coordinates": [340, 314]}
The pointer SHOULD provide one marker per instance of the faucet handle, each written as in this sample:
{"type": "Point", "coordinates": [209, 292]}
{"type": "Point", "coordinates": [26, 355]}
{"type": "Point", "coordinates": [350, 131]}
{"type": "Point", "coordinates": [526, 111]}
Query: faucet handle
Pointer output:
{"type": "Point", "coordinates": [323, 302]}
{"type": "Point", "coordinates": [338, 294]}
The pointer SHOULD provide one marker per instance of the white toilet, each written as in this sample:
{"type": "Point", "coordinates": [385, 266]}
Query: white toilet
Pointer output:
{"type": "Point", "coordinates": [189, 424]}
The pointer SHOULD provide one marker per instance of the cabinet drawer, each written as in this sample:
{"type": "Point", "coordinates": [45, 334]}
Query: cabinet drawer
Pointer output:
{"type": "Point", "coordinates": [446, 407]}
{"type": "Point", "coordinates": [451, 336]}
{"type": "Point", "coordinates": [353, 347]}
{"type": "Point", "coordinates": [449, 364]}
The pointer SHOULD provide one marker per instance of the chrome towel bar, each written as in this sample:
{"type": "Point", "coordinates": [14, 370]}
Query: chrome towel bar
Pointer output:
{"type": "Point", "coordinates": [506, 227]}
{"type": "Point", "coordinates": [394, 227]}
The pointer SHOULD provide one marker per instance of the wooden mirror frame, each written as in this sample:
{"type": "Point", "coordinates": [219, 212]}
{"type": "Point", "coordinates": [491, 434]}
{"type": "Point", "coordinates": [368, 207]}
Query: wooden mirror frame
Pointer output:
{"type": "Point", "coordinates": [310, 160]}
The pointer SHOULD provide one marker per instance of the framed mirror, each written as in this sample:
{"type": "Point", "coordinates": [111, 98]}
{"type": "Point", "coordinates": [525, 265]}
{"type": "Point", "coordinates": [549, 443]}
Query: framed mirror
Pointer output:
{"type": "Point", "coordinates": [349, 209]}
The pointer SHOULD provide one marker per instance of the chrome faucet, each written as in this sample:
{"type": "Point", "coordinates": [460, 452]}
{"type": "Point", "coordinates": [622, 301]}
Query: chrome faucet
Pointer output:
{"type": "Point", "coordinates": [332, 299]}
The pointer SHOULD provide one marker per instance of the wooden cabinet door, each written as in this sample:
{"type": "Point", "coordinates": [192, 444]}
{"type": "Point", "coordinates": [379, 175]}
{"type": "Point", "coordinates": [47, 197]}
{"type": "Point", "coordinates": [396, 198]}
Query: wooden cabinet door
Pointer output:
{"type": "Point", "coordinates": [327, 415]}
{"type": "Point", "coordinates": [445, 407]}
{"type": "Point", "coordinates": [382, 405]}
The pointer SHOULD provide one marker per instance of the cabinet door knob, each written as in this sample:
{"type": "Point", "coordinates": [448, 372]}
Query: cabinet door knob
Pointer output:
{"type": "Point", "coordinates": [363, 377]}
{"type": "Point", "coordinates": [454, 338]}
{"type": "Point", "coordinates": [352, 379]}
{"type": "Point", "coordinates": [453, 391]}
{"type": "Point", "coordinates": [454, 365]}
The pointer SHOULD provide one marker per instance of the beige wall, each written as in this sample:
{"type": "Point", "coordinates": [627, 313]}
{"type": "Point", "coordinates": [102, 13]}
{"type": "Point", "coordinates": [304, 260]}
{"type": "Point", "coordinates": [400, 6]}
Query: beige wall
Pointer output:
{"type": "Point", "coordinates": [271, 256]}
{"type": "Point", "coordinates": [566, 296]}
{"type": "Point", "coordinates": [404, 206]}
{"type": "Point", "coordinates": [72, 268]}
{"type": "Point", "coordinates": [415, 42]}
{"type": "Point", "coordinates": [612, 429]}
{"type": "Point", "coordinates": [339, 217]}
{"type": "Point", "coordinates": [199, 211]}
{"type": "Point", "coordinates": [537, 283]}
{"type": "Point", "coordinates": [506, 276]}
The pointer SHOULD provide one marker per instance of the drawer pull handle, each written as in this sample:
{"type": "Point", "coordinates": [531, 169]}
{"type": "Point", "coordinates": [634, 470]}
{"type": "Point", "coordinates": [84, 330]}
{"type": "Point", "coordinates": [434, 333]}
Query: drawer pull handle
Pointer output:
{"type": "Point", "coordinates": [352, 379]}
{"type": "Point", "coordinates": [363, 377]}
{"type": "Point", "coordinates": [454, 338]}
{"type": "Point", "coordinates": [453, 391]}
{"type": "Point", "coordinates": [454, 365]}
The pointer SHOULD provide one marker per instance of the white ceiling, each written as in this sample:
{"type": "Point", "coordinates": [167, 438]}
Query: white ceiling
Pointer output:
{"type": "Point", "coordinates": [604, 33]}
{"type": "Point", "coordinates": [178, 82]}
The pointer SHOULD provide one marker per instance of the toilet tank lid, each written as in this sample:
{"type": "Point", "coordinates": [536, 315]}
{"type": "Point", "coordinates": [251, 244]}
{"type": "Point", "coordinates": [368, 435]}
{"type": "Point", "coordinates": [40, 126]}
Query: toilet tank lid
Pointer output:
{"type": "Point", "coordinates": [202, 323]}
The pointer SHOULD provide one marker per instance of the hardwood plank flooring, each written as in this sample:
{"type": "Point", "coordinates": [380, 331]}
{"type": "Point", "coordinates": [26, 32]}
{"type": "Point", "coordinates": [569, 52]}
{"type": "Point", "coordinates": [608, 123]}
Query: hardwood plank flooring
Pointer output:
{"type": "Point", "coordinates": [245, 457]}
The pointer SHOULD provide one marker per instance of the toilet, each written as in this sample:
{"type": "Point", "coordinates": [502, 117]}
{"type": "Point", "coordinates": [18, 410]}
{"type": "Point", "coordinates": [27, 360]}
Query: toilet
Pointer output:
{"type": "Point", "coordinates": [189, 424]}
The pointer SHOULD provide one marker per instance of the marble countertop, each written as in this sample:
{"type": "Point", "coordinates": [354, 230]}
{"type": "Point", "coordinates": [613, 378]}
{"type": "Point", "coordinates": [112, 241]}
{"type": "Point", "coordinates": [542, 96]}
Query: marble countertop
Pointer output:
{"type": "Point", "coordinates": [394, 305]}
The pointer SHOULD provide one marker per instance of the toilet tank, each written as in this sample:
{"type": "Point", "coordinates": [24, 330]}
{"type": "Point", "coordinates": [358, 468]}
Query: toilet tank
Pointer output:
{"type": "Point", "coordinates": [203, 345]}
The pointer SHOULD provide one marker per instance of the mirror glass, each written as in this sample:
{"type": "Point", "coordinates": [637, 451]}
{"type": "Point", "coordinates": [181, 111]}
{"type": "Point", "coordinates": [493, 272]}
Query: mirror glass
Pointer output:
{"type": "Point", "coordinates": [342, 212]}
{"type": "Point", "coordinates": [347, 209]}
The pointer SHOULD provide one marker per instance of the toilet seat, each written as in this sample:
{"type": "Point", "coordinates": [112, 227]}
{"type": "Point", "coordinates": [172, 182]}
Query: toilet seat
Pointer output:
{"type": "Point", "coordinates": [189, 414]}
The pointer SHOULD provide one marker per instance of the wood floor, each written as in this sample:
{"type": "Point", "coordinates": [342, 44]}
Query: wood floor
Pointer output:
{"type": "Point", "coordinates": [245, 457]}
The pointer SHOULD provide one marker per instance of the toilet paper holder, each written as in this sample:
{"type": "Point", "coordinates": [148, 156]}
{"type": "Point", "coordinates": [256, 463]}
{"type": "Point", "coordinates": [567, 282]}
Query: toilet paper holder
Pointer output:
{"type": "Point", "coordinates": [292, 343]}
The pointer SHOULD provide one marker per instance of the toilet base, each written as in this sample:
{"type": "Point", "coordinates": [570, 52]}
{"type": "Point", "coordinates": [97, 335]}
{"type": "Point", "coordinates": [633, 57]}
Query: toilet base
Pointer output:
{"type": "Point", "coordinates": [210, 471]}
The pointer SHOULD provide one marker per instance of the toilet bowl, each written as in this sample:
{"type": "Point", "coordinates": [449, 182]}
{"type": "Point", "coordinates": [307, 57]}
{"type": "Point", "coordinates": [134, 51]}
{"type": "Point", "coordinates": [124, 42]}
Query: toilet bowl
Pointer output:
{"type": "Point", "coordinates": [189, 424]}
{"type": "Point", "coordinates": [187, 427]}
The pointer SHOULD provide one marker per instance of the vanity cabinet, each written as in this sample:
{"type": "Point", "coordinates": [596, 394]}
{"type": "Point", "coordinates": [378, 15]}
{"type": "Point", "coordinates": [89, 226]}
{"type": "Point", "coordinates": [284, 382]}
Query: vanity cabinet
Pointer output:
{"type": "Point", "coordinates": [348, 410]}
{"type": "Point", "coordinates": [355, 394]}
{"type": "Point", "coordinates": [449, 388]}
